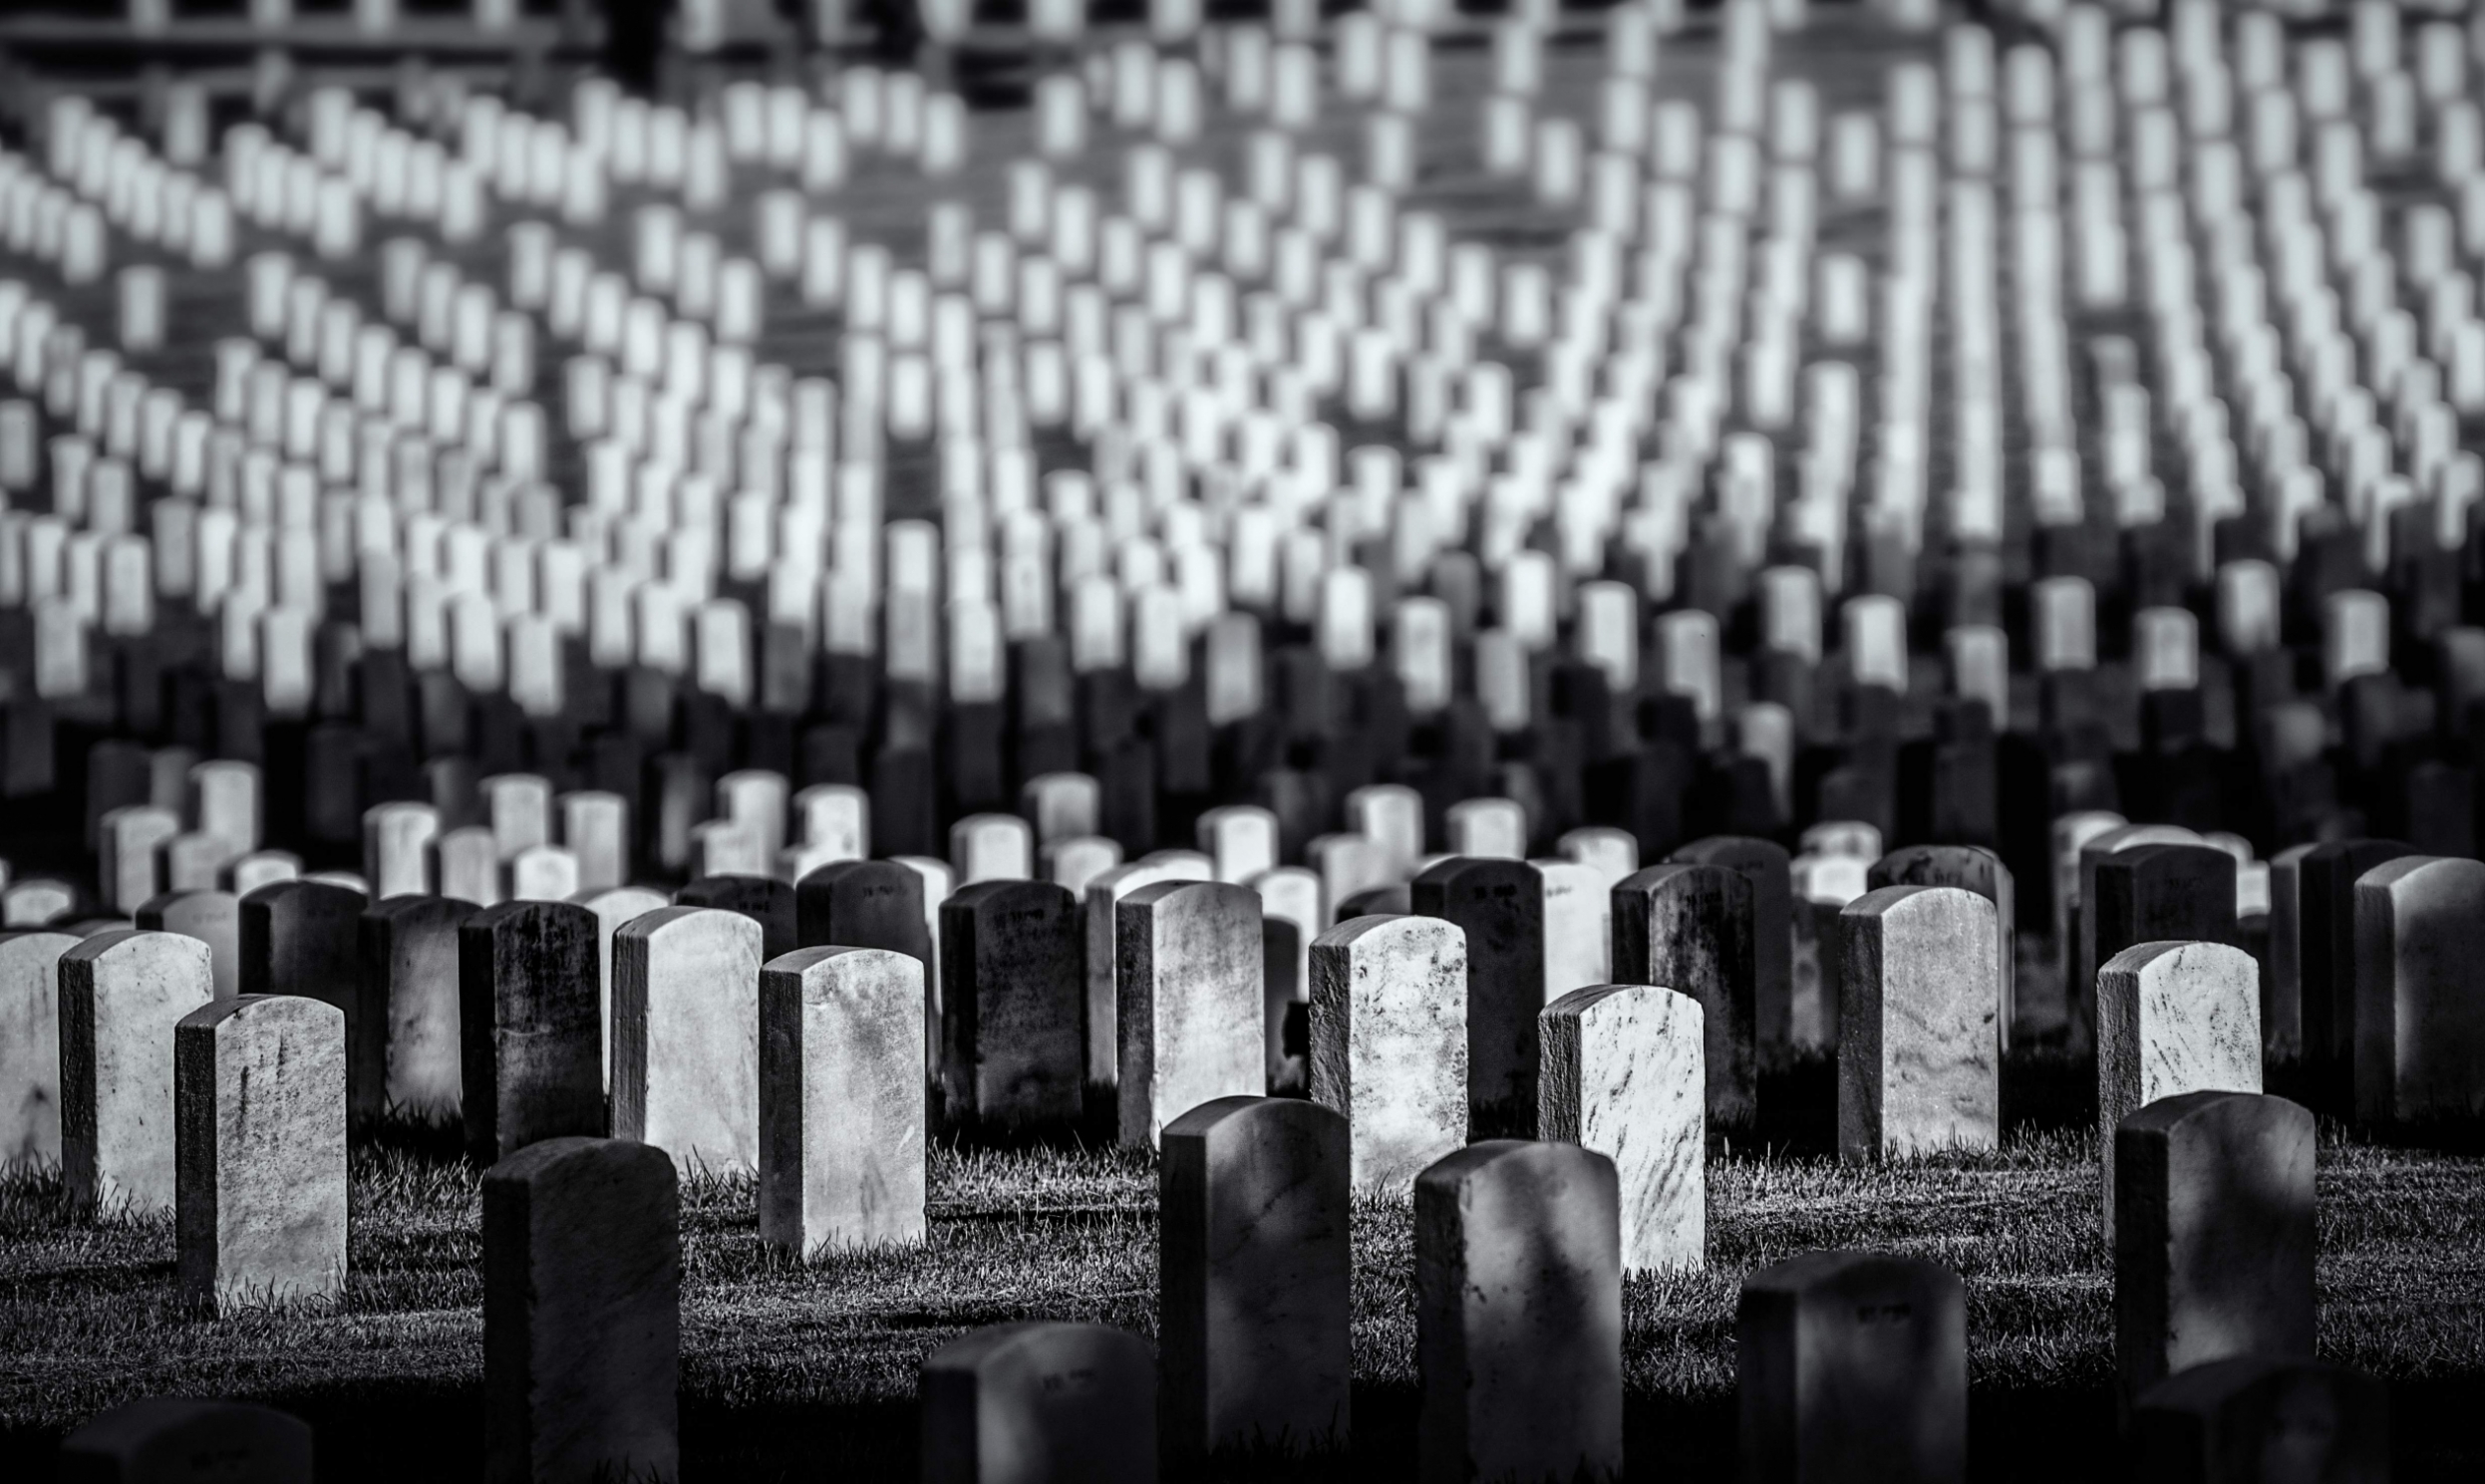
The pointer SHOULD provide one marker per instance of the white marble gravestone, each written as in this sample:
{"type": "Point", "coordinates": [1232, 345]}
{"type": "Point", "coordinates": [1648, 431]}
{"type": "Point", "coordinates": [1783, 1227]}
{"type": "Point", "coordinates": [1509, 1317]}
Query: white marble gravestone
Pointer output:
{"type": "Point", "coordinates": [1190, 1015]}
{"type": "Point", "coordinates": [1919, 1038]}
{"type": "Point", "coordinates": [259, 1116]}
{"type": "Point", "coordinates": [1622, 1076]}
{"type": "Point", "coordinates": [2172, 1018]}
{"type": "Point", "coordinates": [841, 1099]}
{"type": "Point", "coordinates": [1389, 1040]}
{"type": "Point", "coordinates": [121, 994]}
{"type": "Point", "coordinates": [684, 1036]}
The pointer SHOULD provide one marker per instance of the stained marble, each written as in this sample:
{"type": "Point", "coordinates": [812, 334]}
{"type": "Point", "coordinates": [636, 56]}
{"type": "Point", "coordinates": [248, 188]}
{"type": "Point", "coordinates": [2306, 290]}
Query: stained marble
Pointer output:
{"type": "Point", "coordinates": [1388, 1042]}
{"type": "Point", "coordinates": [1622, 1076]}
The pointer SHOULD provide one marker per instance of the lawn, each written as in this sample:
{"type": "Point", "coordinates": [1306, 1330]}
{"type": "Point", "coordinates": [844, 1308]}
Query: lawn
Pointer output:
{"type": "Point", "coordinates": [790, 1372]}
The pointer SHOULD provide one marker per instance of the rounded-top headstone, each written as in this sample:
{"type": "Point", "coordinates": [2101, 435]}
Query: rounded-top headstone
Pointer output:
{"type": "Point", "coordinates": [164, 1439]}
{"type": "Point", "coordinates": [1845, 1357]}
{"type": "Point", "coordinates": [1040, 1402]}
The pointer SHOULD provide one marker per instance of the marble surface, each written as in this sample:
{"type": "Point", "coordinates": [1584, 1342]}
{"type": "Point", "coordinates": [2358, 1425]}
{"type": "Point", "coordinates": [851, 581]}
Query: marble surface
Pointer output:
{"type": "Point", "coordinates": [1848, 1355]}
{"type": "Point", "coordinates": [121, 994]}
{"type": "Point", "coordinates": [1689, 927]}
{"type": "Point", "coordinates": [2420, 989]}
{"type": "Point", "coordinates": [29, 1047]}
{"type": "Point", "coordinates": [1041, 1400]}
{"type": "Point", "coordinates": [259, 1111]}
{"type": "Point", "coordinates": [582, 1274]}
{"type": "Point", "coordinates": [409, 952]}
{"type": "Point", "coordinates": [1388, 1042]}
{"type": "Point", "coordinates": [685, 1048]}
{"type": "Point", "coordinates": [1578, 927]}
{"type": "Point", "coordinates": [1188, 977]}
{"type": "Point", "coordinates": [1919, 1050]}
{"type": "Point", "coordinates": [1622, 1076]}
{"type": "Point", "coordinates": [304, 937]}
{"type": "Point", "coordinates": [2172, 1018]}
{"type": "Point", "coordinates": [1765, 864]}
{"type": "Point", "coordinates": [1518, 1314]}
{"type": "Point", "coordinates": [211, 917]}
{"type": "Point", "coordinates": [612, 907]}
{"type": "Point", "coordinates": [1101, 902]}
{"type": "Point", "coordinates": [841, 1099]}
{"type": "Point", "coordinates": [1253, 1323]}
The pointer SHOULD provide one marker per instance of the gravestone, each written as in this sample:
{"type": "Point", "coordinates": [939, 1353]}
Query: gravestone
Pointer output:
{"type": "Point", "coordinates": [1823, 885]}
{"type": "Point", "coordinates": [1518, 1314]}
{"type": "Point", "coordinates": [408, 951]}
{"type": "Point", "coordinates": [2155, 894]}
{"type": "Point", "coordinates": [1289, 908]}
{"type": "Point", "coordinates": [543, 873]}
{"type": "Point", "coordinates": [1012, 1052]}
{"type": "Point", "coordinates": [1254, 1270]}
{"type": "Point", "coordinates": [37, 902]}
{"type": "Point", "coordinates": [1393, 900]}
{"type": "Point", "coordinates": [2421, 989]}
{"type": "Point", "coordinates": [211, 917]}
{"type": "Point", "coordinates": [2212, 1233]}
{"type": "Point", "coordinates": [2325, 960]}
{"type": "Point", "coordinates": [841, 1099]}
{"type": "Point", "coordinates": [1764, 864]}
{"type": "Point", "coordinates": [1074, 862]}
{"type": "Point", "coordinates": [466, 863]}
{"type": "Point", "coordinates": [1852, 1365]}
{"type": "Point", "coordinates": [863, 904]}
{"type": "Point", "coordinates": [304, 938]}
{"type": "Point", "coordinates": [1621, 1076]}
{"type": "Point", "coordinates": [1578, 926]}
{"type": "Point", "coordinates": [121, 994]}
{"type": "Point", "coordinates": [1040, 1400]}
{"type": "Point", "coordinates": [29, 1049]}
{"type": "Point", "coordinates": [126, 840]}
{"type": "Point", "coordinates": [1100, 907]}
{"type": "Point", "coordinates": [2082, 956]}
{"type": "Point", "coordinates": [1614, 853]}
{"type": "Point", "coordinates": [184, 1440]}
{"type": "Point", "coordinates": [2263, 1418]}
{"type": "Point", "coordinates": [1241, 839]}
{"type": "Point", "coordinates": [259, 1138]}
{"type": "Point", "coordinates": [529, 1042]}
{"type": "Point", "coordinates": [1919, 1044]}
{"type": "Point", "coordinates": [2172, 1018]}
{"type": "Point", "coordinates": [612, 907]}
{"type": "Point", "coordinates": [992, 847]}
{"type": "Point", "coordinates": [582, 1274]}
{"type": "Point", "coordinates": [685, 1037]}
{"type": "Point", "coordinates": [1970, 868]}
{"type": "Point", "coordinates": [1689, 927]}
{"type": "Point", "coordinates": [396, 837]}
{"type": "Point", "coordinates": [1388, 1042]}
{"type": "Point", "coordinates": [1499, 905]}
{"type": "Point", "coordinates": [2282, 971]}
{"type": "Point", "coordinates": [257, 869]}
{"type": "Point", "coordinates": [1189, 981]}
{"type": "Point", "coordinates": [595, 826]}
{"type": "Point", "coordinates": [763, 899]}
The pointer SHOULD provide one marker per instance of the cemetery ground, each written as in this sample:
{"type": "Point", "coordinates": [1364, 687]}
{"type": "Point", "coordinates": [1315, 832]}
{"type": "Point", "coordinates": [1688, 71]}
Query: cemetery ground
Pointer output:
{"type": "Point", "coordinates": [808, 1374]}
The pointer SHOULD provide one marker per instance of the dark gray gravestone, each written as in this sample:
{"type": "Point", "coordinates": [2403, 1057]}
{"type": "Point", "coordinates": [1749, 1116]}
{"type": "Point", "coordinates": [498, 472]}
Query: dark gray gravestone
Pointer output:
{"type": "Point", "coordinates": [30, 1047]}
{"type": "Point", "coordinates": [211, 917]}
{"type": "Point", "coordinates": [1764, 864]}
{"type": "Point", "coordinates": [1518, 1314]}
{"type": "Point", "coordinates": [2325, 879]}
{"type": "Point", "coordinates": [1689, 928]}
{"type": "Point", "coordinates": [408, 947]}
{"type": "Point", "coordinates": [1918, 1046]}
{"type": "Point", "coordinates": [183, 1440]}
{"type": "Point", "coordinates": [530, 1044]}
{"type": "Point", "coordinates": [1970, 868]}
{"type": "Point", "coordinates": [763, 899]}
{"type": "Point", "coordinates": [2420, 989]}
{"type": "Point", "coordinates": [1499, 905]}
{"type": "Point", "coordinates": [304, 938]}
{"type": "Point", "coordinates": [2158, 894]}
{"type": "Point", "coordinates": [1187, 970]}
{"type": "Point", "coordinates": [1852, 1365]}
{"type": "Point", "coordinates": [1012, 1050]}
{"type": "Point", "coordinates": [258, 1096]}
{"type": "Point", "coordinates": [2282, 1002]}
{"type": "Point", "coordinates": [841, 1095]}
{"type": "Point", "coordinates": [2262, 1419]}
{"type": "Point", "coordinates": [1040, 1402]}
{"type": "Point", "coordinates": [1252, 1213]}
{"type": "Point", "coordinates": [863, 904]}
{"type": "Point", "coordinates": [1395, 899]}
{"type": "Point", "coordinates": [2212, 1233]}
{"type": "Point", "coordinates": [582, 1276]}
{"type": "Point", "coordinates": [1389, 1040]}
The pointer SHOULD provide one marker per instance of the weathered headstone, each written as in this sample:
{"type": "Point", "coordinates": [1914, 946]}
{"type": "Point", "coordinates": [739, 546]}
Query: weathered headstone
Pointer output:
{"type": "Point", "coordinates": [1578, 926]}
{"type": "Point", "coordinates": [2171, 1019]}
{"type": "Point", "coordinates": [530, 1039]}
{"type": "Point", "coordinates": [126, 840]}
{"type": "Point", "coordinates": [582, 1274]}
{"type": "Point", "coordinates": [612, 907]}
{"type": "Point", "coordinates": [763, 899]}
{"type": "Point", "coordinates": [1689, 927]}
{"type": "Point", "coordinates": [2212, 1233]}
{"type": "Point", "coordinates": [2420, 989]}
{"type": "Point", "coordinates": [211, 917]}
{"type": "Point", "coordinates": [37, 902]}
{"type": "Point", "coordinates": [466, 863]}
{"type": "Point", "coordinates": [1970, 868]}
{"type": "Point", "coordinates": [1388, 1042]}
{"type": "Point", "coordinates": [1518, 1314]}
{"type": "Point", "coordinates": [1621, 1076]}
{"type": "Point", "coordinates": [2154, 894]}
{"type": "Point", "coordinates": [1488, 829]}
{"type": "Point", "coordinates": [1764, 864]}
{"type": "Point", "coordinates": [1852, 1365]}
{"type": "Point", "coordinates": [1254, 1271]}
{"type": "Point", "coordinates": [863, 904]}
{"type": "Point", "coordinates": [29, 1047]}
{"type": "Point", "coordinates": [1390, 817]}
{"type": "Point", "coordinates": [2080, 980]}
{"type": "Point", "coordinates": [595, 826]}
{"type": "Point", "coordinates": [1918, 1046]}
{"type": "Point", "coordinates": [396, 837]}
{"type": "Point", "coordinates": [408, 951]}
{"type": "Point", "coordinates": [1241, 839]}
{"type": "Point", "coordinates": [1076, 861]}
{"type": "Point", "coordinates": [1100, 907]}
{"type": "Point", "coordinates": [1499, 906]}
{"type": "Point", "coordinates": [992, 847]}
{"type": "Point", "coordinates": [1012, 1049]}
{"type": "Point", "coordinates": [1614, 853]}
{"type": "Point", "coordinates": [183, 1440]}
{"type": "Point", "coordinates": [121, 994]}
{"type": "Point", "coordinates": [1188, 976]}
{"type": "Point", "coordinates": [841, 1099]}
{"type": "Point", "coordinates": [304, 937]}
{"type": "Point", "coordinates": [685, 1036]}
{"type": "Point", "coordinates": [1040, 1400]}
{"type": "Point", "coordinates": [259, 1115]}
{"type": "Point", "coordinates": [2263, 1418]}
{"type": "Point", "coordinates": [543, 873]}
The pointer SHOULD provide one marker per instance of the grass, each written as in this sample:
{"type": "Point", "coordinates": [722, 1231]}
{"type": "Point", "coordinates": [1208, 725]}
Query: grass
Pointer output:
{"type": "Point", "coordinates": [792, 1372]}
